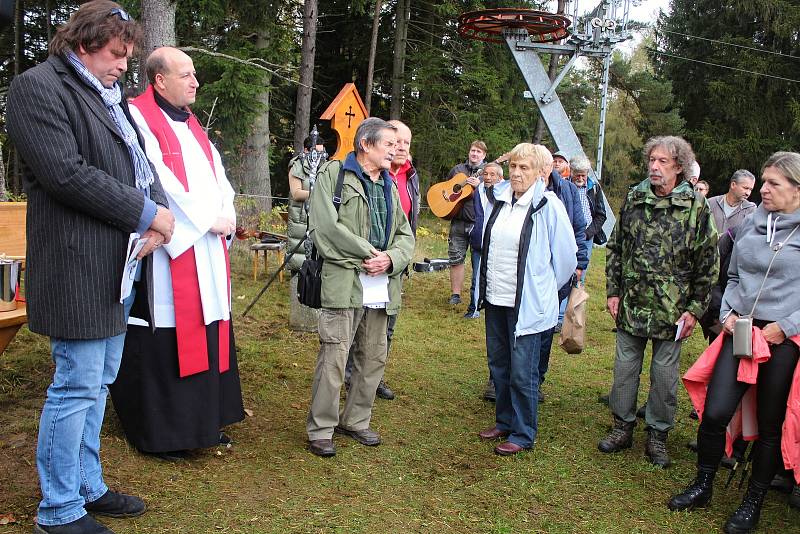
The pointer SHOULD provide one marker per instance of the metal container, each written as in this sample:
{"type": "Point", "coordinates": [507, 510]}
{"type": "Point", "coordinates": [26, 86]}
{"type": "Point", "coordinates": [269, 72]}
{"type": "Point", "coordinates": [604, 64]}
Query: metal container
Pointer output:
{"type": "Point", "coordinates": [9, 282]}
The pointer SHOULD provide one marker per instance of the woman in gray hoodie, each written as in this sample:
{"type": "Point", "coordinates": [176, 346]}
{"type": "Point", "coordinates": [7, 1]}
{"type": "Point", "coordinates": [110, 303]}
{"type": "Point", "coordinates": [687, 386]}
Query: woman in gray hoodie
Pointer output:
{"type": "Point", "coordinates": [774, 226]}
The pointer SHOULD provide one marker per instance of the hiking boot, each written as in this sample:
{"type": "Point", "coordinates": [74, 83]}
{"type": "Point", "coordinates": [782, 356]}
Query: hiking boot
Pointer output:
{"type": "Point", "coordinates": [620, 437]}
{"type": "Point", "coordinates": [697, 495]}
{"type": "Point", "coordinates": [489, 394]}
{"type": "Point", "coordinates": [384, 391]}
{"type": "Point", "coordinates": [745, 518]}
{"type": "Point", "coordinates": [455, 298]}
{"type": "Point", "coordinates": [656, 448]}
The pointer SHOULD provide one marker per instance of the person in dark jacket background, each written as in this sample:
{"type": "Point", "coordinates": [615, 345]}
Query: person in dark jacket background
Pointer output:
{"type": "Point", "coordinates": [567, 193]}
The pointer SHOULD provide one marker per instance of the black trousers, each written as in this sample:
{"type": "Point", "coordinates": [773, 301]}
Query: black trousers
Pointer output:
{"type": "Point", "coordinates": [724, 394]}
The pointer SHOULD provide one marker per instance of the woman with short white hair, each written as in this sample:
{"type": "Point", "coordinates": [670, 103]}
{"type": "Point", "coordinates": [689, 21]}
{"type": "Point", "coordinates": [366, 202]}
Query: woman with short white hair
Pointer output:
{"type": "Point", "coordinates": [528, 253]}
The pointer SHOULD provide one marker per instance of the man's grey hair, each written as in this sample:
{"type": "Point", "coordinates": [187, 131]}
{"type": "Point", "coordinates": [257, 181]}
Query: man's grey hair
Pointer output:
{"type": "Point", "coordinates": [370, 131]}
{"type": "Point", "coordinates": [677, 147]}
{"type": "Point", "coordinates": [741, 175]}
{"type": "Point", "coordinates": [580, 164]}
{"type": "Point", "coordinates": [496, 166]}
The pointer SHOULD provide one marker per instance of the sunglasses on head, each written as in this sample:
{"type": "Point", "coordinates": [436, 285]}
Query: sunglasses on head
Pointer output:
{"type": "Point", "coordinates": [121, 13]}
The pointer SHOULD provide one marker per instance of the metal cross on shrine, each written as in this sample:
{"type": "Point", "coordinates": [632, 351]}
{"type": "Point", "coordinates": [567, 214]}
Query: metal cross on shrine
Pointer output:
{"type": "Point", "coordinates": [350, 116]}
{"type": "Point", "coordinates": [528, 33]}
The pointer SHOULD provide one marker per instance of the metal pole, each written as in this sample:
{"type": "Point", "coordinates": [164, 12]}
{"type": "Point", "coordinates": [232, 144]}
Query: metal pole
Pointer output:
{"type": "Point", "coordinates": [602, 129]}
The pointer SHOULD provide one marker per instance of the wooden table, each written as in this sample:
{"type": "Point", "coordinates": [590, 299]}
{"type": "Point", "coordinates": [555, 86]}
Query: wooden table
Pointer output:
{"type": "Point", "coordinates": [10, 323]}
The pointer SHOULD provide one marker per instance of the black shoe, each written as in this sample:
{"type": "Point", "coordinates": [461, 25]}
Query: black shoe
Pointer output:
{"type": "Point", "coordinates": [85, 525]}
{"type": "Point", "coordinates": [642, 411]}
{"type": "Point", "coordinates": [693, 414]}
{"type": "Point", "coordinates": [603, 399]}
{"type": "Point", "coordinates": [113, 504]}
{"type": "Point", "coordinates": [620, 437]}
{"type": "Point", "coordinates": [224, 439]}
{"type": "Point", "coordinates": [322, 447]}
{"type": "Point", "coordinates": [384, 391]}
{"type": "Point", "coordinates": [455, 298]}
{"type": "Point", "coordinates": [697, 495]}
{"type": "Point", "coordinates": [489, 393]}
{"type": "Point", "coordinates": [170, 456]}
{"type": "Point", "coordinates": [782, 483]}
{"type": "Point", "coordinates": [794, 498]}
{"type": "Point", "coordinates": [541, 395]}
{"type": "Point", "coordinates": [367, 437]}
{"type": "Point", "coordinates": [745, 518]}
{"type": "Point", "coordinates": [656, 448]}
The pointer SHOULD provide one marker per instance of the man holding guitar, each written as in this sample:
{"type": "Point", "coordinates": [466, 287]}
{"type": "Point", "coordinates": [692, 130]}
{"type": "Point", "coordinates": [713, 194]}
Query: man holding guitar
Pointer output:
{"type": "Point", "coordinates": [462, 222]}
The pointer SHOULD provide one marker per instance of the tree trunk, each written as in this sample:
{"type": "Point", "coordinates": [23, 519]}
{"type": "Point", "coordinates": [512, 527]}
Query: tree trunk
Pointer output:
{"type": "Point", "coordinates": [376, 22]}
{"type": "Point", "coordinates": [552, 72]}
{"type": "Point", "coordinates": [255, 178]}
{"type": "Point", "coordinates": [158, 23]}
{"type": "Point", "coordinates": [399, 62]}
{"type": "Point", "coordinates": [49, 19]}
{"type": "Point", "coordinates": [303, 109]}
{"type": "Point", "coordinates": [15, 177]}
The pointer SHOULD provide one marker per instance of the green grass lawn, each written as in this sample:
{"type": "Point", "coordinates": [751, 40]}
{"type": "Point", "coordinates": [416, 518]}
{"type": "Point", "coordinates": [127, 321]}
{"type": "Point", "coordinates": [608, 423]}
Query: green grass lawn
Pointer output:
{"type": "Point", "coordinates": [431, 474]}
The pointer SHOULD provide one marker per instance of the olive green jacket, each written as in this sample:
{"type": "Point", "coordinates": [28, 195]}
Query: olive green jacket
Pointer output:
{"type": "Point", "coordinates": [342, 238]}
{"type": "Point", "coordinates": [296, 225]}
{"type": "Point", "coordinates": [662, 259]}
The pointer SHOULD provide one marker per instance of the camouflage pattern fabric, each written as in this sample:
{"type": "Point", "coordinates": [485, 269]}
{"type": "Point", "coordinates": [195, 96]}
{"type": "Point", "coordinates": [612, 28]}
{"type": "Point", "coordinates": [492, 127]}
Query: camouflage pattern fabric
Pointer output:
{"type": "Point", "coordinates": [662, 260]}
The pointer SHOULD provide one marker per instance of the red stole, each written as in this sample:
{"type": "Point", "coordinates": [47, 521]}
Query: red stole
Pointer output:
{"type": "Point", "coordinates": [189, 323]}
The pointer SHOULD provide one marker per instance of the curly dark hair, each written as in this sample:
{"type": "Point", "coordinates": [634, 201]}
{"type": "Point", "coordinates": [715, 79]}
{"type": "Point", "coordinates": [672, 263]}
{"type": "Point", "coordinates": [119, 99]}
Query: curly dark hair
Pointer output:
{"type": "Point", "coordinates": [93, 25]}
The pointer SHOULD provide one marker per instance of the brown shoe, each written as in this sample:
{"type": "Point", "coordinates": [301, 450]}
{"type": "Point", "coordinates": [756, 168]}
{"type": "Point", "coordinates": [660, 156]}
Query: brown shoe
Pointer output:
{"type": "Point", "coordinates": [508, 449]}
{"type": "Point", "coordinates": [322, 447]}
{"type": "Point", "coordinates": [492, 433]}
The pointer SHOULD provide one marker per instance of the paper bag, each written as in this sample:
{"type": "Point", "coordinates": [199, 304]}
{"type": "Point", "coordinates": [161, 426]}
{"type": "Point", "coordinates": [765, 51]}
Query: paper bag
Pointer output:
{"type": "Point", "coordinates": [573, 329]}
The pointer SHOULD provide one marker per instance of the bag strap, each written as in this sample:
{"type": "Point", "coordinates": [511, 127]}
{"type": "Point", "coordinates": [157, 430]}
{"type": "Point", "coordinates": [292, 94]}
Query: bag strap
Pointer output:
{"type": "Point", "coordinates": [777, 249]}
{"type": "Point", "coordinates": [337, 193]}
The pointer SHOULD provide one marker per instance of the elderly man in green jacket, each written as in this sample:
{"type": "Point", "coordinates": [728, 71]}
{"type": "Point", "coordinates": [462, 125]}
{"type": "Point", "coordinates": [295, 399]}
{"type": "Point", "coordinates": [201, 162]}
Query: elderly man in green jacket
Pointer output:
{"type": "Point", "coordinates": [366, 245]}
{"type": "Point", "coordinates": [662, 263]}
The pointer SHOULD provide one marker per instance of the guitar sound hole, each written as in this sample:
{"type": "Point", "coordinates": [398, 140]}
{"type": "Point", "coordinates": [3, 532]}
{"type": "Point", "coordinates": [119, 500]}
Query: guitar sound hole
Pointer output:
{"type": "Point", "coordinates": [457, 188]}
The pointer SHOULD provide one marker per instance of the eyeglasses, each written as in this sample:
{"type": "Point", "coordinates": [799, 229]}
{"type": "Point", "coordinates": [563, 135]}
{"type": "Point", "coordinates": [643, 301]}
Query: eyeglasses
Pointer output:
{"type": "Point", "coordinates": [121, 13]}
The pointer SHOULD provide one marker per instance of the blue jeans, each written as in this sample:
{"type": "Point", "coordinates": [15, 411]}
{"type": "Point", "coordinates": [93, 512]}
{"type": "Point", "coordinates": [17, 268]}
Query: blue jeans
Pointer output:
{"type": "Point", "coordinates": [513, 364]}
{"type": "Point", "coordinates": [474, 290]}
{"type": "Point", "coordinates": [68, 451]}
{"type": "Point", "coordinates": [545, 346]}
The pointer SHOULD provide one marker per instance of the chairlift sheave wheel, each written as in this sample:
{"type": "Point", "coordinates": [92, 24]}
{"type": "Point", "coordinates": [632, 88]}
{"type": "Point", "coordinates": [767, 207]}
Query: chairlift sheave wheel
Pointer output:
{"type": "Point", "coordinates": [488, 24]}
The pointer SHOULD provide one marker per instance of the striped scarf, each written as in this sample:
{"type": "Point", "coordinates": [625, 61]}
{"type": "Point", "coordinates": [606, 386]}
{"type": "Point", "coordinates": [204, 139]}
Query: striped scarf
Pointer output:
{"type": "Point", "coordinates": [112, 97]}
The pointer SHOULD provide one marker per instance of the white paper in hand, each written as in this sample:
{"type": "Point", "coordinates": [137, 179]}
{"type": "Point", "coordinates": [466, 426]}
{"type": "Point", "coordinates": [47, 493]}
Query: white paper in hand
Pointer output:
{"type": "Point", "coordinates": [680, 329]}
{"type": "Point", "coordinates": [135, 246]}
{"type": "Point", "coordinates": [375, 290]}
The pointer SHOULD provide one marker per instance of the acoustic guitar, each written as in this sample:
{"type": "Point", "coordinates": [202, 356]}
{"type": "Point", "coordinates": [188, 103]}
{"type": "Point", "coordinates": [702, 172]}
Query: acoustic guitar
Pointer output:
{"type": "Point", "coordinates": [445, 198]}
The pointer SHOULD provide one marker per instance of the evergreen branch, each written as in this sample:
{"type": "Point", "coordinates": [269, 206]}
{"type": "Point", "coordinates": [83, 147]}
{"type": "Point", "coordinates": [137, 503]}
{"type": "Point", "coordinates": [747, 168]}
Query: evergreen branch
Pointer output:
{"type": "Point", "coordinates": [253, 62]}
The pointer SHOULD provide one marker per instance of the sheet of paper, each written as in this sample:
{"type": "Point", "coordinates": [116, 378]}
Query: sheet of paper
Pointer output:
{"type": "Point", "coordinates": [135, 246]}
{"type": "Point", "coordinates": [680, 329]}
{"type": "Point", "coordinates": [375, 290]}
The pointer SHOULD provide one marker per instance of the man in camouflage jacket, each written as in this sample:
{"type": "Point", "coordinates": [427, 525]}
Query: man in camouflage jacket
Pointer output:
{"type": "Point", "coordinates": [662, 263]}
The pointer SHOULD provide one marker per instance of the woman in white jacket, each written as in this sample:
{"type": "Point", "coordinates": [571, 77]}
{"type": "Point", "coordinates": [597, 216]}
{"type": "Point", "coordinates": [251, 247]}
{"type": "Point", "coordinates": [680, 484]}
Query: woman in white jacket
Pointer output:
{"type": "Point", "coordinates": [528, 253]}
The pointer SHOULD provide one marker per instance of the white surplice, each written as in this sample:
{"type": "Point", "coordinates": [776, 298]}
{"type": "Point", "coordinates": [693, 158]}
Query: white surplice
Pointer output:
{"type": "Point", "coordinates": [195, 211]}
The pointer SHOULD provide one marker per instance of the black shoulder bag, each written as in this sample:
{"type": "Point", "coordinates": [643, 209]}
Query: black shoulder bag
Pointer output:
{"type": "Point", "coordinates": [309, 279]}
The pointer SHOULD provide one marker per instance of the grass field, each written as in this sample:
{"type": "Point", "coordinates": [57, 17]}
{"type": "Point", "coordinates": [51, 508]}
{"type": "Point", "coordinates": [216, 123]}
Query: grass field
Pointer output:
{"type": "Point", "coordinates": [431, 474]}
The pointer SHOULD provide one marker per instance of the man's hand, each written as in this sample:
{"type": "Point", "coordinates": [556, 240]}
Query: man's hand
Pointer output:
{"type": "Point", "coordinates": [689, 322]}
{"type": "Point", "coordinates": [223, 226]}
{"type": "Point", "coordinates": [727, 326]}
{"type": "Point", "coordinates": [379, 263]}
{"type": "Point", "coordinates": [163, 223]}
{"type": "Point", "coordinates": [154, 240]}
{"type": "Point", "coordinates": [473, 181]}
{"type": "Point", "coordinates": [612, 303]}
{"type": "Point", "coordinates": [579, 273]}
{"type": "Point", "coordinates": [773, 334]}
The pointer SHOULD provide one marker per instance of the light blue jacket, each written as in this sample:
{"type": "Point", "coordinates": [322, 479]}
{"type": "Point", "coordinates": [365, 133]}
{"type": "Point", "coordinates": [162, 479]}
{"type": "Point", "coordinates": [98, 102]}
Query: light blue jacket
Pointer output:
{"type": "Point", "coordinates": [548, 263]}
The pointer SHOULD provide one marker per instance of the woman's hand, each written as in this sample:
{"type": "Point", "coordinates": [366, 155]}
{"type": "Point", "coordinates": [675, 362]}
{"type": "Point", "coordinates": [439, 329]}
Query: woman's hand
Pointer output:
{"type": "Point", "coordinates": [773, 334]}
{"type": "Point", "coordinates": [727, 326]}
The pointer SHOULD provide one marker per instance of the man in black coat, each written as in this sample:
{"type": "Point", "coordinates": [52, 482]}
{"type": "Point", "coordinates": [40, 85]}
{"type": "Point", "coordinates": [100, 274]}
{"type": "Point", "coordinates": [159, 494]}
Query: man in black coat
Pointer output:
{"type": "Point", "coordinates": [89, 187]}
